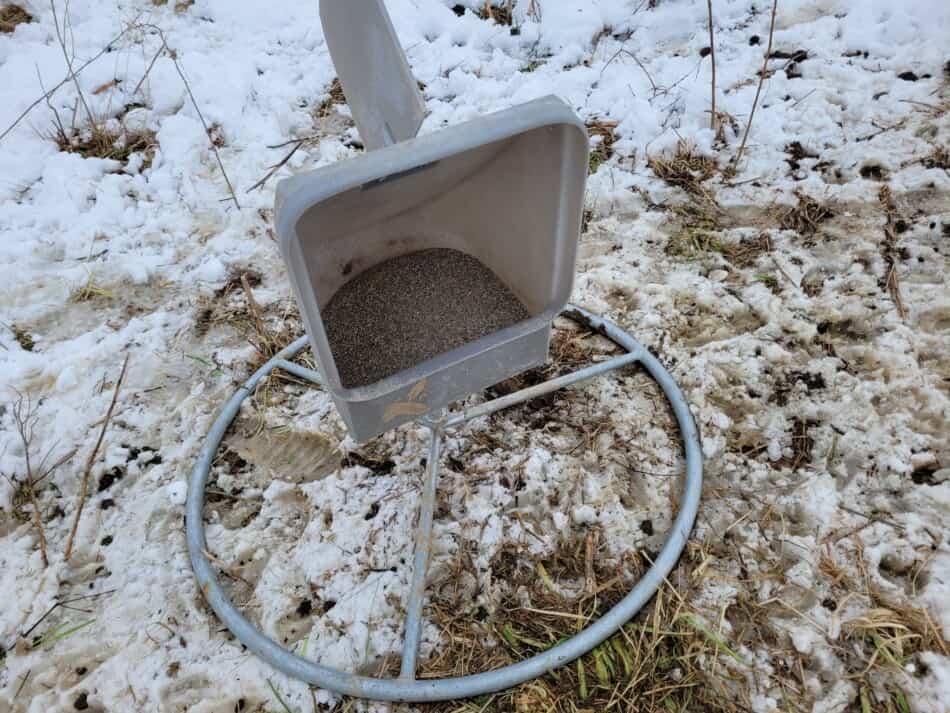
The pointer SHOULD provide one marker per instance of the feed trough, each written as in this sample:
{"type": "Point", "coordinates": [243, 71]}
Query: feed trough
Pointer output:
{"type": "Point", "coordinates": [429, 269]}
{"type": "Point", "coordinates": [426, 270]}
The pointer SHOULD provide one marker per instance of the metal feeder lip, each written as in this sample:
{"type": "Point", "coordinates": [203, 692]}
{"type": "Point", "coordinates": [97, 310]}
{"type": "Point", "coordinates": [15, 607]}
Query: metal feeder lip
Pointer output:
{"type": "Point", "coordinates": [507, 189]}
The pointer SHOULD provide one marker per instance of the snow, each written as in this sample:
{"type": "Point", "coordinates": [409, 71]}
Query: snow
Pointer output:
{"type": "Point", "coordinates": [162, 239]}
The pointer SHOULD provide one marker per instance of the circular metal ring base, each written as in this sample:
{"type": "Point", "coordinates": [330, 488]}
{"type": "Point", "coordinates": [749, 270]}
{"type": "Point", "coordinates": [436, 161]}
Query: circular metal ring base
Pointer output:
{"type": "Point", "coordinates": [407, 688]}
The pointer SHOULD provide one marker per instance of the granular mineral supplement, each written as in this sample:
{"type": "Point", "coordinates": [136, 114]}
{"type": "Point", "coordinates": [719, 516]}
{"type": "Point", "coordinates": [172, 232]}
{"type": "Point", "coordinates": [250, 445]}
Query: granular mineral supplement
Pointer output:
{"type": "Point", "coordinates": [412, 308]}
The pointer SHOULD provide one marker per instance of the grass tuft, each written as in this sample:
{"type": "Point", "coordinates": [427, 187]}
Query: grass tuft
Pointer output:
{"type": "Point", "coordinates": [336, 97]}
{"type": "Point", "coordinates": [805, 217]}
{"type": "Point", "coordinates": [697, 230]}
{"type": "Point", "coordinates": [90, 291]}
{"type": "Point", "coordinates": [23, 337]}
{"type": "Point", "coordinates": [686, 169]}
{"type": "Point", "coordinates": [666, 659]}
{"type": "Point", "coordinates": [12, 15]}
{"type": "Point", "coordinates": [103, 141]}
{"type": "Point", "coordinates": [604, 148]}
{"type": "Point", "coordinates": [939, 158]}
{"type": "Point", "coordinates": [500, 13]}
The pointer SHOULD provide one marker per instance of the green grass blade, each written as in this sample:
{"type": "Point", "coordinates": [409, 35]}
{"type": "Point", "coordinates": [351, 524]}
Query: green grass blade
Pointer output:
{"type": "Point", "coordinates": [61, 632]}
{"type": "Point", "coordinates": [582, 680]}
{"type": "Point", "coordinates": [280, 699]}
{"type": "Point", "coordinates": [717, 640]}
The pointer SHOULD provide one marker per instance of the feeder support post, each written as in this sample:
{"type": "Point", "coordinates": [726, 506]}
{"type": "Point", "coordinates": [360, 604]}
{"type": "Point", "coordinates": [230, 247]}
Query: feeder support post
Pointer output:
{"type": "Point", "coordinates": [380, 90]}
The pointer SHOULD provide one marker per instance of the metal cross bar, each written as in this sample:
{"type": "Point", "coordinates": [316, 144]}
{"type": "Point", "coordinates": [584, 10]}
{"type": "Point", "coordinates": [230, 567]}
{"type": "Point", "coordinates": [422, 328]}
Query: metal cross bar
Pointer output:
{"type": "Point", "coordinates": [300, 371]}
{"type": "Point", "coordinates": [547, 387]}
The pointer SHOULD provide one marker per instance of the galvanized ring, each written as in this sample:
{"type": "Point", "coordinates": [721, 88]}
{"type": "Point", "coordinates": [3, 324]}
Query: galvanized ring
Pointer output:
{"type": "Point", "coordinates": [420, 691]}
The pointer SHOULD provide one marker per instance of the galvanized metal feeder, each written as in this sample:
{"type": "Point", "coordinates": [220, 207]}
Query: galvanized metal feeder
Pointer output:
{"type": "Point", "coordinates": [498, 200]}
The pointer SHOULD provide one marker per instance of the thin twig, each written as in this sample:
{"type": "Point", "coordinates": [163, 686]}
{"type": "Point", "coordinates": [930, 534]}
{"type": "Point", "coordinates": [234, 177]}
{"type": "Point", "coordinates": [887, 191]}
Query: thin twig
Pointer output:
{"type": "Point", "coordinates": [24, 425]}
{"type": "Point", "coordinates": [758, 90]}
{"type": "Point", "coordinates": [890, 252]}
{"type": "Point", "coordinates": [49, 105]}
{"type": "Point", "coordinates": [49, 471]}
{"type": "Point", "coordinates": [69, 60]}
{"type": "Point", "coordinates": [785, 274]}
{"type": "Point", "coordinates": [280, 699]}
{"type": "Point", "coordinates": [148, 70]}
{"type": "Point", "coordinates": [194, 103]}
{"type": "Point", "coordinates": [277, 166]}
{"type": "Point", "coordinates": [713, 122]}
{"type": "Point", "coordinates": [63, 603]}
{"type": "Point", "coordinates": [312, 137]}
{"type": "Point", "coordinates": [22, 684]}
{"type": "Point", "coordinates": [803, 98]}
{"type": "Point", "coordinates": [68, 78]}
{"type": "Point", "coordinates": [656, 90]}
{"type": "Point", "coordinates": [173, 56]}
{"type": "Point", "coordinates": [87, 471]}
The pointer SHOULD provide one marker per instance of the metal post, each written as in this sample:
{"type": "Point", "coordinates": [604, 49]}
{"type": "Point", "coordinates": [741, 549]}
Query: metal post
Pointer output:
{"type": "Point", "coordinates": [420, 564]}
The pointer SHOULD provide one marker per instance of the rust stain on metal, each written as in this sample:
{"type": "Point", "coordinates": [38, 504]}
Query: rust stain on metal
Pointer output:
{"type": "Point", "coordinates": [418, 390]}
{"type": "Point", "coordinates": [404, 408]}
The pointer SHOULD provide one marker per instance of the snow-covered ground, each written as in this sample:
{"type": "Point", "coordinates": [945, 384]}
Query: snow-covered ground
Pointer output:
{"type": "Point", "coordinates": [822, 397]}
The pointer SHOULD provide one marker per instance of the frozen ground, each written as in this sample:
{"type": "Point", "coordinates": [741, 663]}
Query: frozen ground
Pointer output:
{"type": "Point", "coordinates": [805, 312]}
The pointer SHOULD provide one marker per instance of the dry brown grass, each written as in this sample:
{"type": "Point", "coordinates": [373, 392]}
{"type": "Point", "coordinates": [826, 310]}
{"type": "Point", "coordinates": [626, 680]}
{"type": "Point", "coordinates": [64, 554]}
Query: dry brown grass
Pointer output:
{"type": "Point", "coordinates": [746, 253]}
{"type": "Point", "coordinates": [698, 234]}
{"type": "Point", "coordinates": [500, 13]}
{"type": "Point", "coordinates": [890, 252]}
{"type": "Point", "coordinates": [336, 97]}
{"type": "Point", "coordinates": [23, 337]}
{"type": "Point", "coordinates": [668, 658]}
{"type": "Point", "coordinates": [180, 6]}
{"type": "Point", "coordinates": [268, 337]}
{"type": "Point", "coordinates": [233, 305]}
{"type": "Point", "coordinates": [686, 169]}
{"type": "Point", "coordinates": [90, 291]}
{"type": "Point", "coordinates": [103, 141]}
{"type": "Point", "coordinates": [604, 148]}
{"type": "Point", "coordinates": [939, 158]}
{"type": "Point", "coordinates": [916, 620]}
{"type": "Point", "coordinates": [806, 216]}
{"type": "Point", "coordinates": [12, 15]}
{"type": "Point", "coordinates": [696, 229]}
